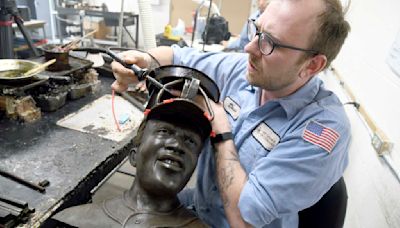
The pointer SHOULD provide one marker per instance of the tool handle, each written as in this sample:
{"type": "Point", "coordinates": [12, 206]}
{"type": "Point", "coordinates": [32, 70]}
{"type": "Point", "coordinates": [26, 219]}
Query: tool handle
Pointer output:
{"type": "Point", "coordinates": [39, 68]}
{"type": "Point", "coordinates": [139, 72]}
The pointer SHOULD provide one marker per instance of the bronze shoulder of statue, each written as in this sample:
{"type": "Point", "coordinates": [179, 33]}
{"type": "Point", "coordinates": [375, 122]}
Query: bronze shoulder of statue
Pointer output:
{"type": "Point", "coordinates": [114, 213]}
{"type": "Point", "coordinates": [179, 217]}
{"type": "Point", "coordinates": [87, 215]}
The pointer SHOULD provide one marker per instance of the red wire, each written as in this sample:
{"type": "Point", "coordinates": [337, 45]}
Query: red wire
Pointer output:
{"type": "Point", "coordinates": [113, 110]}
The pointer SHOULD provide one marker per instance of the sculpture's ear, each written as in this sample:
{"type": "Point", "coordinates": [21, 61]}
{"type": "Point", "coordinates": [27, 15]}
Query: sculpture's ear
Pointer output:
{"type": "Point", "coordinates": [132, 156]}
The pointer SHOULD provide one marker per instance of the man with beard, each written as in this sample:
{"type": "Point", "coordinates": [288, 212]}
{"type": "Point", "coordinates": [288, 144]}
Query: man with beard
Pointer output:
{"type": "Point", "coordinates": [165, 154]}
{"type": "Point", "coordinates": [291, 135]}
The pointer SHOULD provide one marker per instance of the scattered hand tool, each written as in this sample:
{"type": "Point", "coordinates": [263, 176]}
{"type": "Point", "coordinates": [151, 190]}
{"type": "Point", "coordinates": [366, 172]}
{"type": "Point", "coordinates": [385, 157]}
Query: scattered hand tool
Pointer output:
{"type": "Point", "coordinates": [18, 179]}
{"type": "Point", "coordinates": [71, 45]}
{"type": "Point", "coordinates": [39, 68]}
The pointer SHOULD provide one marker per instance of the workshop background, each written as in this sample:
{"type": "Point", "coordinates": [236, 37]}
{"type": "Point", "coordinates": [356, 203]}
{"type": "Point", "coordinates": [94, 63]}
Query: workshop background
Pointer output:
{"type": "Point", "coordinates": [367, 71]}
{"type": "Point", "coordinates": [364, 66]}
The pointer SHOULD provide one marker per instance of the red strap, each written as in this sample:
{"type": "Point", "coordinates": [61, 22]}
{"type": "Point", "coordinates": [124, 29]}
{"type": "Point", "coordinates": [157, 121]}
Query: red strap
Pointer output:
{"type": "Point", "coordinates": [212, 134]}
{"type": "Point", "coordinates": [5, 23]}
{"type": "Point", "coordinates": [207, 115]}
{"type": "Point", "coordinates": [166, 101]}
{"type": "Point", "coordinates": [146, 112]}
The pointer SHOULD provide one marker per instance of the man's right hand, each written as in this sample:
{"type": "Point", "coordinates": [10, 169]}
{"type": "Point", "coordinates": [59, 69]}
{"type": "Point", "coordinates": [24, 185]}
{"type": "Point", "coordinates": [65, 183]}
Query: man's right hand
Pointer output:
{"type": "Point", "coordinates": [125, 76]}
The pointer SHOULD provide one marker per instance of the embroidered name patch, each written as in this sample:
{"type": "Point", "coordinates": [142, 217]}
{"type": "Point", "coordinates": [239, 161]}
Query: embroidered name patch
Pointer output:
{"type": "Point", "coordinates": [320, 135]}
{"type": "Point", "coordinates": [265, 136]}
{"type": "Point", "coordinates": [231, 107]}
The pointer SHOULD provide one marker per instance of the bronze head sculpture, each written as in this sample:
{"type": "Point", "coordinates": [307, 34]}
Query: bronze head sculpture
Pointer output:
{"type": "Point", "coordinates": [167, 147]}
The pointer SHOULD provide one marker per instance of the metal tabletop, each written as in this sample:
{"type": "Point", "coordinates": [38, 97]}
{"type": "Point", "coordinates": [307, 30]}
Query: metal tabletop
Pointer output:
{"type": "Point", "coordinates": [73, 162]}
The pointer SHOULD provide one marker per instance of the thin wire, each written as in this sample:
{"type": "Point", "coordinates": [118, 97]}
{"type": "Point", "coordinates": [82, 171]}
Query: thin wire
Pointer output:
{"type": "Point", "coordinates": [207, 25]}
{"type": "Point", "coordinates": [113, 110]}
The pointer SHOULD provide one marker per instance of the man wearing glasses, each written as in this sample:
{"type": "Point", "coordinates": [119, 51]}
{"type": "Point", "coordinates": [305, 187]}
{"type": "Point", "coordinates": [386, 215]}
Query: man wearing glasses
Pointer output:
{"type": "Point", "coordinates": [290, 135]}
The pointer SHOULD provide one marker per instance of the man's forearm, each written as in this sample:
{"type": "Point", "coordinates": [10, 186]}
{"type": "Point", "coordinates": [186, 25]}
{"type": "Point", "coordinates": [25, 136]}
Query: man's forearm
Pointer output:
{"type": "Point", "coordinates": [163, 54]}
{"type": "Point", "coordinates": [231, 179]}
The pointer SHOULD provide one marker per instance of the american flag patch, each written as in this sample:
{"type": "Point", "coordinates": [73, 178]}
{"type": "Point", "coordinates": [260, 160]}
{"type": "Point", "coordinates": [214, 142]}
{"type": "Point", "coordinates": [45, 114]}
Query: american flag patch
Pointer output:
{"type": "Point", "coordinates": [320, 135]}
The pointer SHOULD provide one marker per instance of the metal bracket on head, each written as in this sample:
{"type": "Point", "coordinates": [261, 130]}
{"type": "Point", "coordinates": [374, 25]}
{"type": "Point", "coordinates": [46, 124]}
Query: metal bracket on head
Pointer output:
{"type": "Point", "coordinates": [190, 88]}
{"type": "Point", "coordinates": [190, 91]}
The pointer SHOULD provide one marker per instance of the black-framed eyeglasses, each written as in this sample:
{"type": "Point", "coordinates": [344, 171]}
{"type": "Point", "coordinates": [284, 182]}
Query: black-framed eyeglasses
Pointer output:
{"type": "Point", "coordinates": [266, 43]}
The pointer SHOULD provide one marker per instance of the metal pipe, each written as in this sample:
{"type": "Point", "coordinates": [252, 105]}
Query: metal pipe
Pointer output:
{"type": "Point", "coordinates": [121, 24]}
{"type": "Point", "coordinates": [22, 181]}
{"type": "Point", "coordinates": [146, 18]}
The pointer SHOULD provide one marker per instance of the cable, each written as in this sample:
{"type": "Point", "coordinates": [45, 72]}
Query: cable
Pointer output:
{"type": "Point", "coordinates": [207, 25]}
{"type": "Point", "coordinates": [113, 110]}
{"type": "Point", "coordinates": [134, 49]}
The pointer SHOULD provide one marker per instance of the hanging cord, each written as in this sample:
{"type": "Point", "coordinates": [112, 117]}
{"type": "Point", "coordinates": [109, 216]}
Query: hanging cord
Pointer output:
{"type": "Point", "coordinates": [113, 110]}
{"type": "Point", "coordinates": [133, 49]}
{"type": "Point", "coordinates": [113, 91]}
{"type": "Point", "coordinates": [207, 25]}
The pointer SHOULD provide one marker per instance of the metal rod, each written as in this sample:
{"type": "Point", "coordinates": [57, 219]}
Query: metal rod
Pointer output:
{"type": "Point", "coordinates": [22, 181]}
{"type": "Point", "coordinates": [121, 24]}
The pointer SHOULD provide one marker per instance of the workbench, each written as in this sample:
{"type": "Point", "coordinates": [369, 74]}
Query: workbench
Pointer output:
{"type": "Point", "coordinates": [73, 162]}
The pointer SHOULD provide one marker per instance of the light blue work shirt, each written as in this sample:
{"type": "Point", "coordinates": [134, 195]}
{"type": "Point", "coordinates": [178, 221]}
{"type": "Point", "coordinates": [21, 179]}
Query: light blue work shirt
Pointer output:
{"type": "Point", "coordinates": [286, 172]}
{"type": "Point", "coordinates": [239, 43]}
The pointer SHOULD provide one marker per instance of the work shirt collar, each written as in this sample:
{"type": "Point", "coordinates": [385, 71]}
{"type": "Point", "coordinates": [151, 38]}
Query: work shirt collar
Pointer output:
{"type": "Point", "coordinates": [293, 103]}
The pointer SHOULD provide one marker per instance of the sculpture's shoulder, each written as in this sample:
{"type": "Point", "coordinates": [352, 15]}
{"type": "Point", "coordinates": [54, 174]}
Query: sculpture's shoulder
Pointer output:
{"type": "Point", "coordinates": [188, 218]}
{"type": "Point", "coordinates": [180, 217]}
{"type": "Point", "coordinates": [86, 215]}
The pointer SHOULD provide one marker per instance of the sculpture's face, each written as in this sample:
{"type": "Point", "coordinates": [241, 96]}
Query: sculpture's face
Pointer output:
{"type": "Point", "coordinates": [166, 157]}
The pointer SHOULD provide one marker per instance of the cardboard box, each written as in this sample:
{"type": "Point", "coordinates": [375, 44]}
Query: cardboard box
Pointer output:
{"type": "Point", "coordinates": [236, 12]}
{"type": "Point", "coordinates": [102, 30]}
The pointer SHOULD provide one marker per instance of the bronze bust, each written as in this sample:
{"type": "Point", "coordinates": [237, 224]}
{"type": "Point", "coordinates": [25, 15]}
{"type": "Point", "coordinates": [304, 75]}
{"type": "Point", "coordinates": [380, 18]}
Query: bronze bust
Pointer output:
{"type": "Point", "coordinates": [167, 146]}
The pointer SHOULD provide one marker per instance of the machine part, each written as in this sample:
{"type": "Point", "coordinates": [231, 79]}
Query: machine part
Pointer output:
{"type": "Point", "coordinates": [22, 181]}
{"type": "Point", "coordinates": [169, 73]}
{"type": "Point", "coordinates": [190, 89]}
{"type": "Point", "coordinates": [160, 98]}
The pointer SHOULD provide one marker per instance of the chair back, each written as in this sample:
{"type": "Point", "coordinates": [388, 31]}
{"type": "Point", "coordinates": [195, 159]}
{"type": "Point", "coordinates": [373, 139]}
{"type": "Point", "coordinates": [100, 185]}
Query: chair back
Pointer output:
{"type": "Point", "coordinates": [329, 211]}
